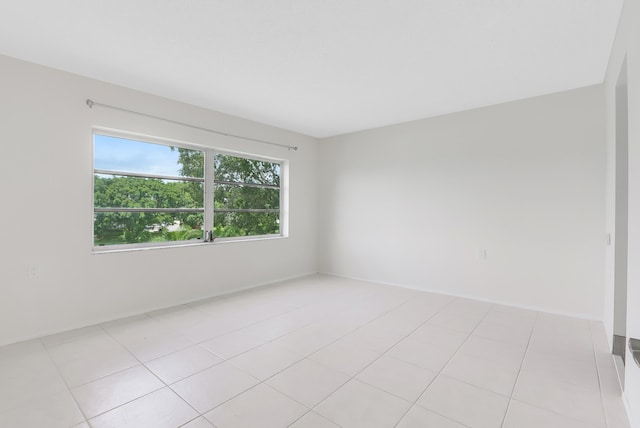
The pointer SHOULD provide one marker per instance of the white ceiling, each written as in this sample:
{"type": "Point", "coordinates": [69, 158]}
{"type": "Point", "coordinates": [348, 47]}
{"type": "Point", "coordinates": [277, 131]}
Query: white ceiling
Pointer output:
{"type": "Point", "coordinates": [321, 67]}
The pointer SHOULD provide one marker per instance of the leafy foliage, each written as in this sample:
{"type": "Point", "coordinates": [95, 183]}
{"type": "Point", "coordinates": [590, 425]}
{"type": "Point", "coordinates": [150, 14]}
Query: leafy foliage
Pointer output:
{"type": "Point", "coordinates": [133, 192]}
{"type": "Point", "coordinates": [115, 227]}
{"type": "Point", "coordinates": [232, 169]}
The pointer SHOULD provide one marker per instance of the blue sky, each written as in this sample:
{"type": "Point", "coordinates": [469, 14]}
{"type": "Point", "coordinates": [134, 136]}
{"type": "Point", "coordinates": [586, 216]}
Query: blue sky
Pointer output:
{"type": "Point", "coordinates": [134, 156]}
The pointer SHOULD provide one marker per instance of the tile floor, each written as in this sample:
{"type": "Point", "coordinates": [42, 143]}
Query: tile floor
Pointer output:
{"type": "Point", "coordinates": [318, 352]}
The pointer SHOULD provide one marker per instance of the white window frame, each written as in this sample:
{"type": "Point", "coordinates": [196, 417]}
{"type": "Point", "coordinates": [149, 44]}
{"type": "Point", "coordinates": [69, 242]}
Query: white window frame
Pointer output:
{"type": "Point", "coordinates": [209, 188]}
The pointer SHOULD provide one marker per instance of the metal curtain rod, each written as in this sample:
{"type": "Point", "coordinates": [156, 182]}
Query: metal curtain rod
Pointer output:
{"type": "Point", "coordinates": [92, 103]}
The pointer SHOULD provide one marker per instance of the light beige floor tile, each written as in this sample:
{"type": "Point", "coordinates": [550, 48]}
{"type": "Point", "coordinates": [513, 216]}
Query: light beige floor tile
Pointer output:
{"type": "Point", "coordinates": [615, 412]}
{"type": "Point", "coordinates": [439, 336]}
{"type": "Point", "coordinates": [565, 337]}
{"type": "Point", "coordinates": [312, 316]}
{"type": "Point", "coordinates": [266, 360]}
{"type": "Point", "coordinates": [503, 353]}
{"type": "Point", "coordinates": [213, 386]}
{"type": "Point", "coordinates": [418, 417]}
{"type": "Point", "coordinates": [72, 335]}
{"type": "Point", "coordinates": [338, 324]}
{"type": "Point", "coordinates": [200, 422]}
{"type": "Point", "coordinates": [501, 328]}
{"type": "Point", "coordinates": [421, 354]}
{"type": "Point", "coordinates": [161, 409]}
{"type": "Point", "coordinates": [313, 420]}
{"type": "Point", "coordinates": [567, 370]}
{"type": "Point", "coordinates": [358, 405]}
{"type": "Point", "coordinates": [464, 403]}
{"type": "Point", "coordinates": [179, 318]}
{"type": "Point", "coordinates": [209, 329]}
{"type": "Point", "coordinates": [462, 315]}
{"type": "Point", "coordinates": [307, 340]}
{"type": "Point", "coordinates": [153, 344]}
{"type": "Point", "coordinates": [515, 313]}
{"type": "Point", "coordinates": [397, 377]}
{"type": "Point", "coordinates": [27, 373]}
{"type": "Point", "coordinates": [273, 328]}
{"type": "Point", "coordinates": [58, 410]}
{"type": "Point", "coordinates": [522, 415]}
{"type": "Point", "coordinates": [22, 357]}
{"type": "Point", "coordinates": [269, 409]}
{"type": "Point", "coordinates": [567, 399]}
{"type": "Point", "coordinates": [233, 344]}
{"type": "Point", "coordinates": [308, 382]}
{"type": "Point", "coordinates": [345, 357]}
{"type": "Point", "coordinates": [496, 376]}
{"type": "Point", "coordinates": [561, 348]}
{"type": "Point", "coordinates": [87, 358]}
{"type": "Point", "coordinates": [179, 365]}
{"type": "Point", "coordinates": [114, 390]}
{"type": "Point", "coordinates": [378, 336]}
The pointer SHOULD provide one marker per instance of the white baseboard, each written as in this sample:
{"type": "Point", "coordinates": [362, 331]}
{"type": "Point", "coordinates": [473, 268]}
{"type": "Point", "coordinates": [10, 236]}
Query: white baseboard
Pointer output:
{"type": "Point", "coordinates": [49, 332]}
{"type": "Point", "coordinates": [469, 296]}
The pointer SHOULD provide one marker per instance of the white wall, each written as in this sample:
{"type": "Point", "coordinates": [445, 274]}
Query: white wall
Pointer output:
{"type": "Point", "coordinates": [45, 183]}
{"type": "Point", "coordinates": [414, 204]}
{"type": "Point", "coordinates": [627, 44]}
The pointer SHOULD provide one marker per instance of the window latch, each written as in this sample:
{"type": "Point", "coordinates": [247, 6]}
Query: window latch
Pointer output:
{"type": "Point", "coordinates": [208, 236]}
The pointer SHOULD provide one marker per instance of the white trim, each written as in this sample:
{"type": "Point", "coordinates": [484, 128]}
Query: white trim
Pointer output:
{"type": "Point", "coordinates": [157, 308]}
{"type": "Point", "coordinates": [123, 248]}
{"type": "Point", "coordinates": [627, 407]}
{"type": "Point", "coordinates": [145, 138]}
{"type": "Point", "coordinates": [468, 296]}
{"type": "Point", "coordinates": [209, 174]}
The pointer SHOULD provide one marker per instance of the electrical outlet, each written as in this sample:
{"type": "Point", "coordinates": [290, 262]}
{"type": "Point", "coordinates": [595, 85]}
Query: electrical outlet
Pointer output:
{"type": "Point", "coordinates": [33, 270]}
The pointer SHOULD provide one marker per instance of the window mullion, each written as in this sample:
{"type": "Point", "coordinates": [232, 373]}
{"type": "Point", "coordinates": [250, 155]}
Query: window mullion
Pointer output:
{"type": "Point", "coordinates": [209, 185]}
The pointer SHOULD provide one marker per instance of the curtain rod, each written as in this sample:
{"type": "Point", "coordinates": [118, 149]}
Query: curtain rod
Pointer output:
{"type": "Point", "coordinates": [92, 103]}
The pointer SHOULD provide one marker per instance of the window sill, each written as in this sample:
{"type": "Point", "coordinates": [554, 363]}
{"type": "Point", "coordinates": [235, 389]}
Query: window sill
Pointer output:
{"type": "Point", "coordinates": [160, 246]}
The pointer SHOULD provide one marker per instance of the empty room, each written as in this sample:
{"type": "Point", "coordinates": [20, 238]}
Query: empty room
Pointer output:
{"type": "Point", "coordinates": [320, 214]}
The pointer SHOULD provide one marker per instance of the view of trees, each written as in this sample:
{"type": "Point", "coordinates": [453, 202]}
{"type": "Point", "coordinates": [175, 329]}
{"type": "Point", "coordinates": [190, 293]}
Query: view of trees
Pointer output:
{"type": "Point", "coordinates": [231, 169]}
{"type": "Point", "coordinates": [244, 188]}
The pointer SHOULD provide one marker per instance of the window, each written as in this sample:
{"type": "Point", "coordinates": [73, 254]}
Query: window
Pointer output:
{"type": "Point", "coordinates": [246, 196]}
{"type": "Point", "coordinates": [150, 193]}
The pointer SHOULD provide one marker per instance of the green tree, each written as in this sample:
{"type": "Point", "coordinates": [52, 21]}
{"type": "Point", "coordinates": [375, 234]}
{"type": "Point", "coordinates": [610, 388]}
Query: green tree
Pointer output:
{"type": "Point", "coordinates": [133, 192]}
{"type": "Point", "coordinates": [233, 169]}
{"type": "Point", "coordinates": [231, 192]}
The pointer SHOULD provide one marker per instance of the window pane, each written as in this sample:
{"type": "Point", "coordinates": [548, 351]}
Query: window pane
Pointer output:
{"type": "Point", "coordinates": [240, 197]}
{"type": "Point", "coordinates": [136, 192]}
{"type": "Point", "coordinates": [122, 154]}
{"type": "Point", "coordinates": [246, 224]}
{"type": "Point", "coordinates": [112, 228]}
{"type": "Point", "coordinates": [241, 170]}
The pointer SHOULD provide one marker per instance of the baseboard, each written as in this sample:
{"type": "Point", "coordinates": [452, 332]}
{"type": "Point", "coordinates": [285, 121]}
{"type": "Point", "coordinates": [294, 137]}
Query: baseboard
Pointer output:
{"type": "Point", "coordinates": [633, 422]}
{"type": "Point", "coordinates": [618, 365]}
{"type": "Point", "coordinates": [468, 296]}
{"type": "Point", "coordinates": [45, 333]}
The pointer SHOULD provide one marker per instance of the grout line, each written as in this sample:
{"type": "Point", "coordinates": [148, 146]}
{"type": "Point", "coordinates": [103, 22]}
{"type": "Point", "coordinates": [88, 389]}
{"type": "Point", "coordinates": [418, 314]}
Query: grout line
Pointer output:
{"type": "Point", "coordinates": [263, 381]}
{"type": "Point", "coordinates": [150, 371]}
{"type": "Point", "coordinates": [352, 377]}
{"type": "Point", "coordinates": [513, 389]}
{"type": "Point", "coordinates": [599, 376]}
{"type": "Point", "coordinates": [86, 420]}
{"type": "Point", "coordinates": [146, 368]}
{"type": "Point", "coordinates": [351, 296]}
{"type": "Point", "coordinates": [383, 353]}
{"type": "Point", "coordinates": [439, 372]}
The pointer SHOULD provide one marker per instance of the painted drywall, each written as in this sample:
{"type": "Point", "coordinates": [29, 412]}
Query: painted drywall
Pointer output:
{"type": "Point", "coordinates": [627, 45]}
{"type": "Point", "coordinates": [46, 178]}
{"type": "Point", "coordinates": [504, 203]}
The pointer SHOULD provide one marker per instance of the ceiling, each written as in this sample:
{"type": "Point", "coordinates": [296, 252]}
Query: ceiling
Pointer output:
{"type": "Point", "coordinates": [321, 67]}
